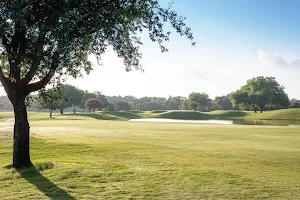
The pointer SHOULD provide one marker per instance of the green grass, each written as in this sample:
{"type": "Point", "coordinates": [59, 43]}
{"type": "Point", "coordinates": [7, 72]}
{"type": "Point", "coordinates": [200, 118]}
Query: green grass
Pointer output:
{"type": "Point", "coordinates": [123, 114]}
{"type": "Point", "coordinates": [284, 114]}
{"type": "Point", "coordinates": [5, 115]}
{"type": "Point", "coordinates": [82, 157]}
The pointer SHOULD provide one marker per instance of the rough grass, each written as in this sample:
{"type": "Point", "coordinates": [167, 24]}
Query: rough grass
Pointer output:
{"type": "Point", "coordinates": [103, 159]}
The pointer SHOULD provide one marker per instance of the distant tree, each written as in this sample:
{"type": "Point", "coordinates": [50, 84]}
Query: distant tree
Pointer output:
{"type": "Point", "coordinates": [94, 104]}
{"type": "Point", "coordinates": [111, 107]}
{"type": "Point", "coordinates": [73, 94]}
{"type": "Point", "coordinates": [202, 101]}
{"type": "Point", "coordinates": [114, 99]}
{"type": "Point", "coordinates": [155, 103]}
{"type": "Point", "coordinates": [102, 98]}
{"type": "Point", "coordinates": [173, 103]}
{"type": "Point", "coordinates": [261, 92]}
{"type": "Point", "coordinates": [86, 96]}
{"type": "Point", "coordinates": [51, 99]}
{"type": "Point", "coordinates": [121, 105]}
{"type": "Point", "coordinates": [193, 105]}
{"type": "Point", "coordinates": [137, 104]}
{"type": "Point", "coordinates": [214, 106]}
{"type": "Point", "coordinates": [128, 99]}
{"type": "Point", "coordinates": [153, 106]}
{"type": "Point", "coordinates": [185, 105]}
{"type": "Point", "coordinates": [295, 103]}
{"type": "Point", "coordinates": [223, 103]}
{"type": "Point", "coordinates": [63, 103]}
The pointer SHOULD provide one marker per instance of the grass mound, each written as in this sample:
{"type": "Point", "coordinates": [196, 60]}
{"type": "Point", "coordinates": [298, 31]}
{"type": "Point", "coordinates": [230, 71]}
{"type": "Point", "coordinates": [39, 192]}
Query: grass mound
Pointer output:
{"type": "Point", "coordinates": [98, 116]}
{"type": "Point", "coordinates": [122, 114]}
{"type": "Point", "coordinates": [183, 115]}
{"type": "Point", "coordinates": [286, 114]}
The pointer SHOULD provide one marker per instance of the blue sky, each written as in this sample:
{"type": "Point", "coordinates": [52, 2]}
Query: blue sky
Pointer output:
{"type": "Point", "coordinates": [236, 40]}
{"type": "Point", "coordinates": [256, 23]}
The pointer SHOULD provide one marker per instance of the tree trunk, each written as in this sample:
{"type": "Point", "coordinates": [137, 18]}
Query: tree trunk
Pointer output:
{"type": "Point", "coordinates": [61, 111]}
{"type": "Point", "coordinates": [254, 107]}
{"type": "Point", "coordinates": [21, 157]}
{"type": "Point", "coordinates": [262, 108]}
{"type": "Point", "coordinates": [50, 113]}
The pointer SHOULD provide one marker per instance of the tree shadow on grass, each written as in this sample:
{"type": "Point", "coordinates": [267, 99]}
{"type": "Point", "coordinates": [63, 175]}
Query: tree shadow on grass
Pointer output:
{"type": "Point", "coordinates": [48, 188]}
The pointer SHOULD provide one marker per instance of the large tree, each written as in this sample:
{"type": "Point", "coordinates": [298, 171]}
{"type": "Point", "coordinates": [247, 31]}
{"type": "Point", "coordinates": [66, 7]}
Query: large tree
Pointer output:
{"type": "Point", "coordinates": [241, 99]}
{"type": "Point", "coordinates": [261, 92]}
{"type": "Point", "coordinates": [41, 39]}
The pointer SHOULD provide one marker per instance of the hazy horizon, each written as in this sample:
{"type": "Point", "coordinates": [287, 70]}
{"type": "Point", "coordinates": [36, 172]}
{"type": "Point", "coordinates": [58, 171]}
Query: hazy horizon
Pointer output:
{"type": "Point", "coordinates": [235, 41]}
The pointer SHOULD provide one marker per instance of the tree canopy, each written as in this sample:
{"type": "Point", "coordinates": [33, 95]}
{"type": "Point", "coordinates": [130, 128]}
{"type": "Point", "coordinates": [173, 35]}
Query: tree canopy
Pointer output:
{"type": "Point", "coordinates": [73, 94]}
{"type": "Point", "coordinates": [121, 105]}
{"type": "Point", "coordinates": [261, 92]}
{"type": "Point", "coordinates": [223, 103]}
{"type": "Point", "coordinates": [52, 99]}
{"type": "Point", "coordinates": [102, 98]}
{"type": "Point", "coordinates": [199, 101]}
{"type": "Point", "coordinates": [295, 103]}
{"type": "Point", "coordinates": [93, 103]}
{"type": "Point", "coordinates": [40, 40]}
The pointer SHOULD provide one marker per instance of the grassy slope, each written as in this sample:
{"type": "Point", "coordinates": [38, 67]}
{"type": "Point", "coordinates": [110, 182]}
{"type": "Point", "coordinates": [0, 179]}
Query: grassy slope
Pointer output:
{"type": "Point", "coordinates": [97, 159]}
{"type": "Point", "coordinates": [287, 114]}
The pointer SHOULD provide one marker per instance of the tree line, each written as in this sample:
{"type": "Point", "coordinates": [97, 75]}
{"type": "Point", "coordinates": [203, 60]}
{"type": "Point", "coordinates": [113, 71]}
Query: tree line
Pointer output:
{"type": "Point", "coordinates": [259, 93]}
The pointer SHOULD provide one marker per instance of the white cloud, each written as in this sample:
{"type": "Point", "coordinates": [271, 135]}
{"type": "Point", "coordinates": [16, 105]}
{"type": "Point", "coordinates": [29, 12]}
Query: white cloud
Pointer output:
{"type": "Point", "coordinates": [277, 60]}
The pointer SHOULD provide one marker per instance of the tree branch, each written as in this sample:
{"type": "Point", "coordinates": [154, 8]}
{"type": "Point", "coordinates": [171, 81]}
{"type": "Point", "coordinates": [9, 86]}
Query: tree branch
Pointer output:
{"type": "Point", "coordinates": [20, 54]}
{"type": "Point", "coordinates": [37, 59]}
{"type": "Point", "coordinates": [13, 54]}
{"type": "Point", "coordinates": [42, 83]}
